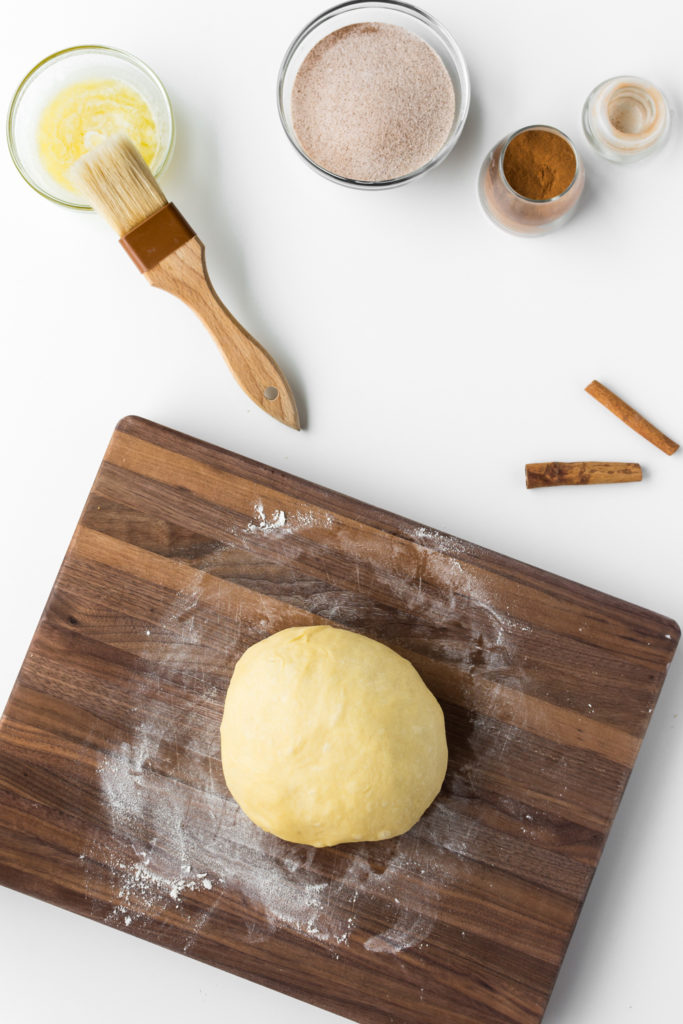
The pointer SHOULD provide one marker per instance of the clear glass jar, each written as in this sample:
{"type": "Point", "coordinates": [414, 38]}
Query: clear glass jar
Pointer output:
{"type": "Point", "coordinates": [626, 118]}
{"type": "Point", "coordinates": [67, 67]}
{"type": "Point", "coordinates": [513, 211]}
{"type": "Point", "coordinates": [404, 16]}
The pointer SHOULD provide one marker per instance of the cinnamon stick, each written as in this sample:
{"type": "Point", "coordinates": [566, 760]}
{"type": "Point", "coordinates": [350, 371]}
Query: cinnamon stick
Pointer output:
{"type": "Point", "coordinates": [560, 474]}
{"type": "Point", "coordinates": [631, 418]}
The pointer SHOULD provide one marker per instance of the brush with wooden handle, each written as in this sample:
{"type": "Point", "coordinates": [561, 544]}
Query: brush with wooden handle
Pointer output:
{"type": "Point", "coordinates": [118, 183]}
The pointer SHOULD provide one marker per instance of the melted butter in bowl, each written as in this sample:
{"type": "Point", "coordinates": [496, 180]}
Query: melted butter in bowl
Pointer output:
{"type": "Point", "coordinates": [75, 99]}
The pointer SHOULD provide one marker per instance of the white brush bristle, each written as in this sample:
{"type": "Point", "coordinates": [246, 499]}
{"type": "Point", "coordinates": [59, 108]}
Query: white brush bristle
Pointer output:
{"type": "Point", "coordinates": [117, 182]}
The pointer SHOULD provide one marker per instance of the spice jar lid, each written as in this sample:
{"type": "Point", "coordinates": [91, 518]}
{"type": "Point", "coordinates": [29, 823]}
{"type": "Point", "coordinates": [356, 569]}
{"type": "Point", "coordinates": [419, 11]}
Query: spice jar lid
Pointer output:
{"type": "Point", "coordinates": [626, 118]}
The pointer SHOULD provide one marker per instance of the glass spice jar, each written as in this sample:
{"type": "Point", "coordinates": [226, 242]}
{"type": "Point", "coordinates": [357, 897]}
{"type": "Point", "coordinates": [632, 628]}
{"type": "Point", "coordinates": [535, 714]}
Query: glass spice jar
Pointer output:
{"type": "Point", "coordinates": [626, 118]}
{"type": "Point", "coordinates": [537, 191]}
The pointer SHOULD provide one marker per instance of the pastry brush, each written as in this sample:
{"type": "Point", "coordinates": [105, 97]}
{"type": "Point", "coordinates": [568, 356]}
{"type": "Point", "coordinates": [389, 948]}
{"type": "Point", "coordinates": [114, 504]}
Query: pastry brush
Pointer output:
{"type": "Point", "coordinates": [117, 182]}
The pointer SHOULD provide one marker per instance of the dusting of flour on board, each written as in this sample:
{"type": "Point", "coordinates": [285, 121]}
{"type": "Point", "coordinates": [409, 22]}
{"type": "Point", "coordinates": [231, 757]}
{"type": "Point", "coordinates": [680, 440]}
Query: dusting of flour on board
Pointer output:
{"type": "Point", "coordinates": [181, 841]}
{"type": "Point", "coordinates": [279, 521]}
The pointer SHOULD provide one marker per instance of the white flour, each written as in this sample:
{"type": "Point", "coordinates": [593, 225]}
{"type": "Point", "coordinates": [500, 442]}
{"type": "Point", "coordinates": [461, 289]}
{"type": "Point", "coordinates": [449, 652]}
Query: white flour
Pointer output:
{"type": "Point", "coordinates": [263, 523]}
{"type": "Point", "coordinates": [279, 521]}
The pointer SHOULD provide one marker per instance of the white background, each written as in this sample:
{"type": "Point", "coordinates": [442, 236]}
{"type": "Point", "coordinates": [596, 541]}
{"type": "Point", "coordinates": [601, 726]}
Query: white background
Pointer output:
{"type": "Point", "coordinates": [432, 355]}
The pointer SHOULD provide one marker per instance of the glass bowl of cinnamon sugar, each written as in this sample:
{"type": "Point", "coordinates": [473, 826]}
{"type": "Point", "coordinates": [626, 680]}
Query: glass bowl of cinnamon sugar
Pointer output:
{"type": "Point", "coordinates": [373, 95]}
{"type": "Point", "coordinates": [532, 180]}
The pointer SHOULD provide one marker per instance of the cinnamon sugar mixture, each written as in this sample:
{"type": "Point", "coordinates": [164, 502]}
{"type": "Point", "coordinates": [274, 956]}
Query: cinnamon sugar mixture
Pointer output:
{"type": "Point", "coordinates": [372, 102]}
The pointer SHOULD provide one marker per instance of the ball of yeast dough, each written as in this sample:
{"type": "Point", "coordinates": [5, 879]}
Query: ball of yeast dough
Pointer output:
{"type": "Point", "coordinates": [331, 737]}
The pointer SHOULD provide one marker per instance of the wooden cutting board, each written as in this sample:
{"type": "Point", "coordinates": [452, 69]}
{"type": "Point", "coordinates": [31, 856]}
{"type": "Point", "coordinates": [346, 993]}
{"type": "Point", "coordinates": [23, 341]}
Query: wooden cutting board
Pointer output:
{"type": "Point", "coordinates": [112, 802]}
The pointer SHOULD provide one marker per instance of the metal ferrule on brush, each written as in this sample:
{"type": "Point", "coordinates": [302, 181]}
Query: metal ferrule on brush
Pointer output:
{"type": "Point", "coordinates": [157, 237]}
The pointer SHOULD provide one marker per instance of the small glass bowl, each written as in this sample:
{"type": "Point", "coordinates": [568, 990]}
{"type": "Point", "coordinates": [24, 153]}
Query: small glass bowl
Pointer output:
{"type": "Point", "coordinates": [516, 213]}
{"type": "Point", "coordinates": [626, 118]}
{"type": "Point", "coordinates": [404, 16]}
{"type": "Point", "coordinates": [60, 70]}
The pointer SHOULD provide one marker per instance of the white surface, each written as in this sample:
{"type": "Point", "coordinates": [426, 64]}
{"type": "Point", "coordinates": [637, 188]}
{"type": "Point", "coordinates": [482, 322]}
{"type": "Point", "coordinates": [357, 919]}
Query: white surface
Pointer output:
{"type": "Point", "coordinates": [433, 356]}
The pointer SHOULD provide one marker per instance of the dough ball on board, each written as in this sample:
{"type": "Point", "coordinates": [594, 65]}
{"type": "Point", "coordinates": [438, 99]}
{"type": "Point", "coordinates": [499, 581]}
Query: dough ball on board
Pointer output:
{"type": "Point", "coordinates": [331, 737]}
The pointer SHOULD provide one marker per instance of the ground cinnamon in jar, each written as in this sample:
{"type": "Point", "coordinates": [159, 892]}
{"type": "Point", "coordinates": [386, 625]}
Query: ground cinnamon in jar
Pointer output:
{"type": "Point", "coordinates": [539, 164]}
{"type": "Point", "coordinates": [532, 180]}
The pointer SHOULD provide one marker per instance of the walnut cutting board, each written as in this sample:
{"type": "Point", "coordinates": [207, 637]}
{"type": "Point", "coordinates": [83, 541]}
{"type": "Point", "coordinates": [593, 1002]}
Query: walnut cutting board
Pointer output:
{"type": "Point", "coordinates": [112, 802]}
